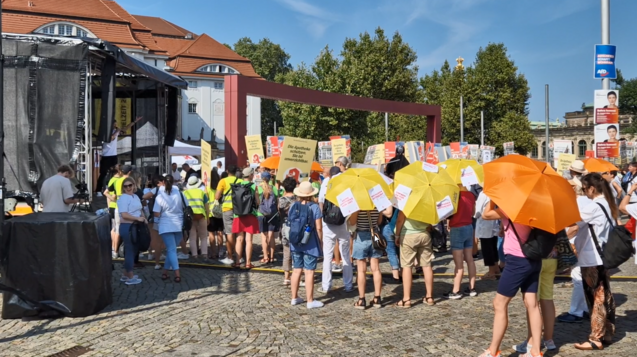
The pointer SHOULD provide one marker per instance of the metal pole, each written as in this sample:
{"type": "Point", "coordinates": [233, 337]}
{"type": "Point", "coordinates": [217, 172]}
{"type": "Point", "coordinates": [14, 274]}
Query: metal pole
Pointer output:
{"type": "Point", "coordinates": [546, 117]}
{"type": "Point", "coordinates": [386, 127]}
{"type": "Point", "coordinates": [2, 181]}
{"type": "Point", "coordinates": [275, 128]}
{"type": "Point", "coordinates": [481, 127]}
{"type": "Point", "coordinates": [605, 33]}
{"type": "Point", "coordinates": [461, 121]}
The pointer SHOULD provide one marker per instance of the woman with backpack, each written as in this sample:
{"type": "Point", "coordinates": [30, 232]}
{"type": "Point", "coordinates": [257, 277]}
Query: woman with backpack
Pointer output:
{"type": "Point", "coordinates": [169, 208]}
{"type": "Point", "coordinates": [306, 235]}
{"type": "Point", "coordinates": [269, 217]}
{"type": "Point", "coordinates": [130, 211]}
{"type": "Point", "coordinates": [285, 202]}
{"type": "Point", "coordinates": [598, 216]}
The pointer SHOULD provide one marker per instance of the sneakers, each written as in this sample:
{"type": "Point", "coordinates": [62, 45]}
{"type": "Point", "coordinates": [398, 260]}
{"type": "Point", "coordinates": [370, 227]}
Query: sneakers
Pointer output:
{"type": "Point", "coordinates": [296, 301]}
{"type": "Point", "coordinates": [227, 261]}
{"type": "Point", "coordinates": [182, 256]}
{"type": "Point", "coordinates": [550, 345]}
{"type": "Point", "coordinates": [523, 347]}
{"type": "Point", "coordinates": [348, 289]}
{"type": "Point", "coordinates": [113, 254]}
{"type": "Point", "coordinates": [124, 278]}
{"type": "Point", "coordinates": [323, 291]}
{"type": "Point", "coordinates": [302, 283]}
{"type": "Point", "coordinates": [133, 281]}
{"type": "Point", "coordinates": [472, 292]}
{"type": "Point", "coordinates": [571, 319]}
{"type": "Point", "coordinates": [487, 353]}
{"type": "Point", "coordinates": [528, 354]}
{"type": "Point", "coordinates": [314, 304]}
{"type": "Point", "coordinates": [337, 268]}
{"type": "Point", "coordinates": [453, 296]}
{"type": "Point", "coordinates": [157, 266]}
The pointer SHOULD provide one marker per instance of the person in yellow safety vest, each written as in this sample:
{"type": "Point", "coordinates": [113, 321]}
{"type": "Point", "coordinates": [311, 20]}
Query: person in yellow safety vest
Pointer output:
{"type": "Point", "coordinates": [224, 194]}
{"type": "Point", "coordinates": [215, 227]}
{"type": "Point", "coordinates": [112, 192]}
{"type": "Point", "coordinates": [198, 201]}
{"type": "Point", "coordinates": [112, 207]}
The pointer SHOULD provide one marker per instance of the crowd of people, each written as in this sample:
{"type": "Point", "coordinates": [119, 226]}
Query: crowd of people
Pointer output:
{"type": "Point", "coordinates": [283, 206]}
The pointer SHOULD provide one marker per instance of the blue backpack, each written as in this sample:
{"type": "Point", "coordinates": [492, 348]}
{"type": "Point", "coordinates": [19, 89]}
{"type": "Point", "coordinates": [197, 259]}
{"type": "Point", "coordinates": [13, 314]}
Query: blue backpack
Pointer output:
{"type": "Point", "coordinates": [299, 217]}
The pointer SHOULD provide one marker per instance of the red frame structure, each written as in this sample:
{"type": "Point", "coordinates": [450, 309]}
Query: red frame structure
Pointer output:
{"type": "Point", "coordinates": [237, 88]}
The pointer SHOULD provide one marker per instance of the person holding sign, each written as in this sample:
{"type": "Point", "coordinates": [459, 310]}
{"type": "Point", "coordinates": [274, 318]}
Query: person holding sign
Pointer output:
{"type": "Point", "coordinates": [461, 232]}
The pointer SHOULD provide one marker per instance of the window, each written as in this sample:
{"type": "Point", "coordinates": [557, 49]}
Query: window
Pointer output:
{"type": "Point", "coordinates": [65, 29]}
{"type": "Point", "coordinates": [49, 30]}
{"type": "Point", "coordinates": [192, 108]}
{"type": "Point", "coordinates": [217, 68]}
{"type": "Point", "coordinates": [155, 63]}
{"type": "Point", "coordinates": [534, 152]}
{"type": "Point", "coordinates": [218, 85]}
{"type": "Point", "coordinates": [191, 84]}
{"type": "Point", "coordinates": [81, 33]}
{"type": "Point", "coordinates": [582, 148]}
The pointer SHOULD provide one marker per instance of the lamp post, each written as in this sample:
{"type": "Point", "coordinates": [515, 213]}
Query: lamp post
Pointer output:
{"type": "Point", "coordinates": [605, 34]}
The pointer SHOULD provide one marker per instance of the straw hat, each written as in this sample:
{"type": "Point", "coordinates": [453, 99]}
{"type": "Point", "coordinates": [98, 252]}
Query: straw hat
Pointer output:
{"type": "Point", "coordinates": [305, 189]}
{"type": "Point", "coordinates": [193, 182]}
{"type": "Point", "coordinates": [578, 166]}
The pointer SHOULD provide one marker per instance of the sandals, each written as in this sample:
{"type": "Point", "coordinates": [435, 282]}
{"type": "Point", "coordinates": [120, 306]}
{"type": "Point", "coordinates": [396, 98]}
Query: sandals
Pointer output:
{"type": "Point", "coordinates": [164, 277]}
{"type": "Point", "coordinates": [265, 260]}
{"type": "Point", "coordinates": [236, 265]}
{"type": "Point", "coordinates": [376, 302]}
{"type": "Point", "coordinates": [177, 279]}
{"type": "Point", "coordinates": [403, 304]}
{"type": "Point", "coordinates": [360, 304]}
{"type": "Point", "coordinates": [249, 266]}
{"type": "Point", "coordinates": [589, 346]}
{"type": "Point", "coordinates": [429, 301]}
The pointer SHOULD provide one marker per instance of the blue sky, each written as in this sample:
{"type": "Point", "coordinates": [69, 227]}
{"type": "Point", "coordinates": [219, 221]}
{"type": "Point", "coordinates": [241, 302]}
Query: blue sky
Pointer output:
{"type": "Point", "coordinates": [551, 41]}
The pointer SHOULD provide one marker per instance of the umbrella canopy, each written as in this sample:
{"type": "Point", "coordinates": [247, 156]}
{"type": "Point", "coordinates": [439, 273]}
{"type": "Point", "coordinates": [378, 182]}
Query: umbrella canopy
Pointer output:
{"type": "Point", "coordinates": [360, 181]}
{"type": "Point", "coordinates": [272, 163]}
{"type": "Point", "coordinates": [454, 168]}
{"type": "Point", "coordinates": [427, 190]}
{"type": "Point", "coordinates": [530, 192]}
{"type": "Point", "coordinates": [598, 165]}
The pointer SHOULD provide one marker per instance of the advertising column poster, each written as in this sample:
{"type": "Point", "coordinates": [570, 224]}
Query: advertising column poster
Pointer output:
{"type": "Point", "coordinates": [607, 123]}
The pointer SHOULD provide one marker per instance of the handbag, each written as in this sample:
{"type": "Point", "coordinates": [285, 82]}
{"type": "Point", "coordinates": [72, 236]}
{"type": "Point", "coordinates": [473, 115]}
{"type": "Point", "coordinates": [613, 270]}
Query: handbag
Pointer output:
{"type": "Point", "coordinates": [539, 244]}
{"type": "Point", "coordinates": [378, 241]}
{"type": "Point", "coordinates": [141, 236]}
{"type": "Point", "coordinates": [566, 257]}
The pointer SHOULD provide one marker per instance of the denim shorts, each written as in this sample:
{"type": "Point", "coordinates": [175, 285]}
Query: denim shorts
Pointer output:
{"type": "Point", "coordinates": [461, 237]}
{"type": "Point", "coordinates": [301, 260]}
{"type": "Point", "coordinates": [363, 247]}
{"type": "Point", "coordinates": [519, 274]}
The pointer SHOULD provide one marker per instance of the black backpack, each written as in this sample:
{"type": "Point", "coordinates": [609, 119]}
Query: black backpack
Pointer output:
{"type": "Point", "coordinates": [332, 214]}
{"type": "Point", "coordinates": [189, 216]}
{"type": "Point", "coordinates": [619, 247]}
{"type": "Point", "coordinates": [626, 185]}
{"type": "Point", "coordinates": [243, 202]}
{"type": "Point", "coordinates": [539, 244]}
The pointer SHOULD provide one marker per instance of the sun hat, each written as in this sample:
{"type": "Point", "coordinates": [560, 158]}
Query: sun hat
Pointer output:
{"type": "Point", "coordinates": [247, 172]}
{"type": "Point", "coordinates": [578, 166]}
{"type": "Point", "coordinates": [193, 182]}
{"type": "Point", "coordinates": [305, 189]}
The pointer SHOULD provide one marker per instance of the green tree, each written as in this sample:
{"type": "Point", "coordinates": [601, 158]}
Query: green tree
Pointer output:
{"type": "Point", "coordinates": [628, 103]}
{"type": "Point", "coordinates": [271, 62]}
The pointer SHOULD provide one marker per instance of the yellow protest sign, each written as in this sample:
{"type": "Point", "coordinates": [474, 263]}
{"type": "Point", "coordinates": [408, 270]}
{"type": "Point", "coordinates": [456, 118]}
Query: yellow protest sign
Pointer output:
{"type": "Point", "coordinates": [123, 114]}
{"type": "Point", "coordinates": [206, 158]}
{"type": "Point", "coordinates": [375, 155]}
{"type": "Point", "coordinates": [564, 161]}
{"type": "Point", "coordinates": [255, 149]}
{"type": "Point", "coordinates": [296, 158]}
{"type": "Point", "coordinates": [339, 148]}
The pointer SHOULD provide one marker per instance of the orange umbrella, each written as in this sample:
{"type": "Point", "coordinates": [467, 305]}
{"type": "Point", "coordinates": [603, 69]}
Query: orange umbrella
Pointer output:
{"type": "Point", "coordinates": [530, 192]}
{"type": "Point", "coordinates": [272, 163]}
{"type": "Point", "coordinates": [598, 165]}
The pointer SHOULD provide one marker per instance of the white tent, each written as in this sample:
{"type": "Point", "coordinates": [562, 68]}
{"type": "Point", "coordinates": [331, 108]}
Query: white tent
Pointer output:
{"type": "Point", "coordinates": [147, 135]}
{"type": "Point", "coordinates": [185, 159]}
{"type": "Point", "coordinates": [180, 148]}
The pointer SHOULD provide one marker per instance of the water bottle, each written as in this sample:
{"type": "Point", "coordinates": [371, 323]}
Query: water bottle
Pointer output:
{"type": "Point", "coordinates": [306, 234]}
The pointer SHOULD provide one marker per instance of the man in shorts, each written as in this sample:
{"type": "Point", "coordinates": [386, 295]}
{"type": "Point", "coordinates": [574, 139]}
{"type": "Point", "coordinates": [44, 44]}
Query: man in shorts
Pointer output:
{"type": "Point", "coordinates": [224, 193]}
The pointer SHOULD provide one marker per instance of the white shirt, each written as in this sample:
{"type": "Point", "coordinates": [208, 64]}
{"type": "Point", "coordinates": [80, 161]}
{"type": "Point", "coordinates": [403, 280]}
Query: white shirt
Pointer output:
{"type": "Point", "coordinates": [592, 214]}
{"type": "Point", "coordinates": [110, 149]}
{"type": "Point", "coordinates": [484, 228]}
{"type": "Point", "coordinates": [176, 175]}
{"type": "Point", "coordinates": [323, 190]}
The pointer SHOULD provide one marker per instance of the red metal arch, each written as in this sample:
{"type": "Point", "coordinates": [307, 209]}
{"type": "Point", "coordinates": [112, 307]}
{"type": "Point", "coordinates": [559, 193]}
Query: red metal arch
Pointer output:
{"type": "Point", "coordinates": [238, 87]}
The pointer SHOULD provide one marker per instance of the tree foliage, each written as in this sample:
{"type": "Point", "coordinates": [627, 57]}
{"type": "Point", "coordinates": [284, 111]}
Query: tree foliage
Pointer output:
{"type": "Point", "coordinates": [271, 62]}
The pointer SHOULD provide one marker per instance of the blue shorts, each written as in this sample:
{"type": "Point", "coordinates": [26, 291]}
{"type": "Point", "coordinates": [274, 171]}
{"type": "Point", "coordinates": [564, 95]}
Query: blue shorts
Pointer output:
{"type": "Point", "coordinates": [301, 260]}
{"type": "Point", "coordinates": [461, 237]}
{"type": "Point", "coordinates": [519, 274]}
{"type": "Point", "coordinates": [363, 247]}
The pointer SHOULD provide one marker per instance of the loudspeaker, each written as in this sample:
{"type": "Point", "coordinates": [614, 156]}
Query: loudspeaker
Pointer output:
{"type": "Point", "coordinates": [172, 115]}
{"type": "Point", "coordinates": [108, 100]}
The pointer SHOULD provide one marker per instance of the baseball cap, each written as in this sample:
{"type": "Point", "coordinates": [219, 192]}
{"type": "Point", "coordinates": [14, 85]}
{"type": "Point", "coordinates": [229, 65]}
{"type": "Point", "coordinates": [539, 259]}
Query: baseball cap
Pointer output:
{"type": "Point", "coordinates": [266, 176]}
{"type": "Point", "coordinates": [126, 169]}
{"type": "Point", "coordinates": [247, 171]}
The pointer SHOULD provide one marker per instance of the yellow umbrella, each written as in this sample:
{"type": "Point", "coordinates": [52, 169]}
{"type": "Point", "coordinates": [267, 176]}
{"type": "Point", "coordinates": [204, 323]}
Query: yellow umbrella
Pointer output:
{"type": "Point", "coordinates": [360, 181]}
{"type": "Point", "coordinates": [454, 168]}
{"type": "Point", "coordinates": [427, 190]}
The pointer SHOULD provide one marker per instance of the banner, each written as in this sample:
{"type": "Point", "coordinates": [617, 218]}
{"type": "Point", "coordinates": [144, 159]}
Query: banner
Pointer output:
{"type": "Point", "coordinates": [296, 158]}
{"type": "Point", "coordinates": [274, 144]}
{"type": "Point", "coordinates": [206, 158]}
{"type": "Point", "coordinates": [561, 147]}
{"type": "Point", "coordinates": [509, 148]}
{"type": "Point", "coordinates": [607, 123]}
{"type": "Point", "coordinates": [325, 153]}
{"type": "Point", "coordinates": [254, 148]}
{"type": "Point", "coordinates": [123, 115]}
{"type": "Point", "coordinates": [564, 161]}
{"type": "Point", "coordinates": [604, 66]}
{"type": "Point", "coordinates": [339, 148]}
{"type": "Point", "coordinates": [375, 155]}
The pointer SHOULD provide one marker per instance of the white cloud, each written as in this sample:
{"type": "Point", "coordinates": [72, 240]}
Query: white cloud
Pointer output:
{"type": "Point", "coordinates": [315, 19]}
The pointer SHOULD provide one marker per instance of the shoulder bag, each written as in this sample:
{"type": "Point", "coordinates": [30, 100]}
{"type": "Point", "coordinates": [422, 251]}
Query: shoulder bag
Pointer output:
{"type": "Point", "coordinates": [378, 241]}
{"type": "Point", "coordinates": [188, 216]}
{"type": "Point", "coordinates": [539, 244]}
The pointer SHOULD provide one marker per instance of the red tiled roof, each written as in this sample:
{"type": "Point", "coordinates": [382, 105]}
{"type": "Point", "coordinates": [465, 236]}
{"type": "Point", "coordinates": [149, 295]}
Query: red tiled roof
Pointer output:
{"type": "Point", "coordinates": [147, 39]}
{"type": "Point", "coordinates": [207, 47]}
{"type": "Point", "coordinates": [173, 46]}
{"type": "Point", "coordinates": [123, 14]}
{"type": "Point", "coordinates": [160, 26]}
{"type": "Point", "coordinates": [92, 9]}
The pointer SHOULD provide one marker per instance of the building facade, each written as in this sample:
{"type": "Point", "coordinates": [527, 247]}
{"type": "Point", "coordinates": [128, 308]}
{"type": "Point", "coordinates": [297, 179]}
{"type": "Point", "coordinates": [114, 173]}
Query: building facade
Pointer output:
{"type": "Point", "coordinates": [199, 59]}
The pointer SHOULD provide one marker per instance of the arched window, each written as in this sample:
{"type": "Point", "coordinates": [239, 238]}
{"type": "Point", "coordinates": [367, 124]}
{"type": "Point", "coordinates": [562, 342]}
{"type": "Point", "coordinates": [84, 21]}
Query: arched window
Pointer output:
{"type": "Point", "coordinates": [534, 152]}
{"type": "Point", "coordinates": [192, 106]}
{"type": "Point", "coordinates": [217, 68]}
{"type": "Point", "coordinates": [581, 145]}
{"type": "Point", "coordinates": [65, 29]}
{"type": "Point", "coordinates": [543, 149]}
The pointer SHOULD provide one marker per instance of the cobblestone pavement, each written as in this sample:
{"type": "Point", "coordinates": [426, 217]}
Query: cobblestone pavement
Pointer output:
{"type": "Point", "coordinates": [248, 313]}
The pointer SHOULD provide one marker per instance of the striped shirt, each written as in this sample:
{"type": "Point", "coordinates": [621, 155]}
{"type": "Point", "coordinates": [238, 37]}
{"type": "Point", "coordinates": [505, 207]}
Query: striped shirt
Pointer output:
{"type": "Point", "coordinates": [362, 223]}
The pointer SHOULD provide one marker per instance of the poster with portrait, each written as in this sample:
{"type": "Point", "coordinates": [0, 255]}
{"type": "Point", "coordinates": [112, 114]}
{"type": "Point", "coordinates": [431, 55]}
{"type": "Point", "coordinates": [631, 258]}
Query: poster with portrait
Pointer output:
{"type": "Point", "coordinates": [607, 140]}
{"type": "Point", "coordinates": [606, 106]}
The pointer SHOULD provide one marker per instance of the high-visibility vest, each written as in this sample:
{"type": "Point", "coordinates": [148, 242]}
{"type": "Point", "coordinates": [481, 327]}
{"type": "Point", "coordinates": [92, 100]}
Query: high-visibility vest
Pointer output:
{"type": "Point", "coordinates": [227, 196]}
{"type": "Point", "coordinates": [195, 198]}
{"type": "Point", "coordinates": [211, 199]}
{"type": "Point", "coordinates": [114, 181]}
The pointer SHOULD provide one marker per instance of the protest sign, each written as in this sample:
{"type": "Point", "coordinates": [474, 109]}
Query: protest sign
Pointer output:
{"type": "Point", "coordinates": [254, 149]}
{"type": "Point", "coordinates": [296, 158]}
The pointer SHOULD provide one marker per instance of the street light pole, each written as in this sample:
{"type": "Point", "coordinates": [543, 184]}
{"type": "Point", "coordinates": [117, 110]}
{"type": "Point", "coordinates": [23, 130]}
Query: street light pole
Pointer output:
{"type": "Point", "coordinates": [461, 121]}
{"type": "Point", "coordinates": [605, 33]}
{"type": "Point", "coordinates": [482, 127]}
{"type": "Point", "coordinates": [546, 117]}
{"type": "Point", "coordinates": [386, 127]}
